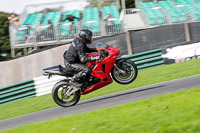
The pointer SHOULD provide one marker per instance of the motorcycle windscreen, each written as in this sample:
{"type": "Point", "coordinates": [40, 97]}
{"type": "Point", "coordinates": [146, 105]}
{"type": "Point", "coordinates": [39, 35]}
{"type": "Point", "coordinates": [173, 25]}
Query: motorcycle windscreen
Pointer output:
{"type": "Point", "coordinates": [102, 45]}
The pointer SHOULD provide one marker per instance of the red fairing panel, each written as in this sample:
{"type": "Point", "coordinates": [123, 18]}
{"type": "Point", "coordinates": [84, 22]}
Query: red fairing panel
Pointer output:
{"type": "Point", "coordinates": [101, 84]}
{"type": "Point", "coordinates": [105, 65]}
{"type": "Point", "coordinates": [102, 69]}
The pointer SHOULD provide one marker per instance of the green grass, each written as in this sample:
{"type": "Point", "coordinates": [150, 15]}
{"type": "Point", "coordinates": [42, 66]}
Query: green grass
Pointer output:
{"type": "Point", "coordinates": [169, 113]}
{"type": "Point", "coordinates": [147, 77]}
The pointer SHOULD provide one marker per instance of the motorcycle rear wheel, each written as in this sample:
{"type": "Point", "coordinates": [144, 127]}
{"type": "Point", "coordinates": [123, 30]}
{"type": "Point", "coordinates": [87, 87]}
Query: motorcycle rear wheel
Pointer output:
{"type": "Point", "coordinates": [58, 92]}
{"type": "Point", "coordinates": [129, 75]}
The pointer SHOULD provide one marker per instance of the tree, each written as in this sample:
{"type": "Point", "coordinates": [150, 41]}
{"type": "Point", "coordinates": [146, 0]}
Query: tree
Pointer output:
{"type": "Point", "coordinates": [5, 52]}
{"type": "Point", "coordinates": [130, 3]}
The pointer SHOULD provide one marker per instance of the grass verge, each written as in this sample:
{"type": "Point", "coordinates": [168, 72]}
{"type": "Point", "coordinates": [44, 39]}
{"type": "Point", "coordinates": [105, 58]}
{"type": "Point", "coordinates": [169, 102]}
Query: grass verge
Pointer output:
{"type": "Point", "coordinates": [170, 113]}
{"type": "Point", "coordinates": [147, 77]}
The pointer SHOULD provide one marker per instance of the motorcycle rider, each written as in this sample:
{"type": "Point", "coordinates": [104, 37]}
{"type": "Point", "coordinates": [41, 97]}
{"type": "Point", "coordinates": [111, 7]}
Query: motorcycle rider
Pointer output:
{"type": "Point", "coordinates": [75, 57]}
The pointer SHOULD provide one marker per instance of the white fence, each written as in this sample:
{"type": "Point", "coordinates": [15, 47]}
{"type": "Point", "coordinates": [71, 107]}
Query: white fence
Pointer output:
{"type": "Point", "coordinates": [43, 85]}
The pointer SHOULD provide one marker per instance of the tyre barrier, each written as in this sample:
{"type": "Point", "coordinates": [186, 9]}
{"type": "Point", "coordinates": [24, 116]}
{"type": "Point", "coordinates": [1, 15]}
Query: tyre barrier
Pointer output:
{"type": "Point", "coordinates": [16, 92]}
{"type": "Point", "coordinates": [147, 59]}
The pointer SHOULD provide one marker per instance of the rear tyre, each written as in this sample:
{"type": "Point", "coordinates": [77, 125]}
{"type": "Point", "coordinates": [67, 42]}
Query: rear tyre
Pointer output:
{"type": "Point", "coordinates": [128, 75]}
{"type": "Point", "coordinates": [58, 92]}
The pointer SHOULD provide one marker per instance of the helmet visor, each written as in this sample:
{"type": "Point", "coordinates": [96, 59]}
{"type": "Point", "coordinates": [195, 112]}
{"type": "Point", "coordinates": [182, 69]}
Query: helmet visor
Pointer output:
{"type": "Point", "coordinates": [89, 38]}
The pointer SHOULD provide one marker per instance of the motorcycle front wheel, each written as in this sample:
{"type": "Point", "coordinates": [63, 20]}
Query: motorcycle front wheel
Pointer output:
{"type": "Point", "coordinates": [58, 94]}
{"type": "Point", "coordinates": [125, 72]}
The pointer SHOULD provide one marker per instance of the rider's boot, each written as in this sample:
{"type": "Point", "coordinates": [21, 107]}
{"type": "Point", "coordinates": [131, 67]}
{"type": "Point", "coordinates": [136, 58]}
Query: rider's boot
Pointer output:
{"type": "Point", "coordinates": [75, 81]}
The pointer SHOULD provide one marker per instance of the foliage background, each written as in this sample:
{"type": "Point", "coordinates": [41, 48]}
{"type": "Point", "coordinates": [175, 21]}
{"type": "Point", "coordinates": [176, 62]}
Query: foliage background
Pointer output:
{"type": "Point", "coordinates": [5, 53]}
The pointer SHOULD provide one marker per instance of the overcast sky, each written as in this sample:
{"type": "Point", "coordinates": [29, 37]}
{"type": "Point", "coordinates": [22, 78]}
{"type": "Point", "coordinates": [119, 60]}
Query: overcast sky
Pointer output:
{"type": "Point", "coordinates": [18, 5]}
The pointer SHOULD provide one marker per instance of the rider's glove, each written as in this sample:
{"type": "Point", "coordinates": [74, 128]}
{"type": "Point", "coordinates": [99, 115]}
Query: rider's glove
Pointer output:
{"type": "Point", "coordinates": [95, 58]}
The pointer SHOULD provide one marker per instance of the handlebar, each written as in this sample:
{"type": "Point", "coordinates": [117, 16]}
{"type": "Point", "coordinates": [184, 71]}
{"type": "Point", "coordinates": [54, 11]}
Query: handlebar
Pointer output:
{"type": "Point", "coordinates": [103, 53]}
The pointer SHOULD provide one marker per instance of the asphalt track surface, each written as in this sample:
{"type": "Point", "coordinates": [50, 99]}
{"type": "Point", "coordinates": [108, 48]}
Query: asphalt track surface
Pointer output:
{"type": "Point", "coordinates": [105, 101]}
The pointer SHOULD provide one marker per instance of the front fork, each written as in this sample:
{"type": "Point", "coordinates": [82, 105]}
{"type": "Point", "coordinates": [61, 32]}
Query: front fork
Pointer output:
{"type": "Point", "coordinates": [120, 70]}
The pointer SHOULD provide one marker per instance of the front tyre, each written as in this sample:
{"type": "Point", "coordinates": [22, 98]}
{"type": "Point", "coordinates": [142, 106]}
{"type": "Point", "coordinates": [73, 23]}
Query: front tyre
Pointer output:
{"type": "Point", "coordinates": [59, 91]}
{"type": "Point", "coordinates": [125, 72]}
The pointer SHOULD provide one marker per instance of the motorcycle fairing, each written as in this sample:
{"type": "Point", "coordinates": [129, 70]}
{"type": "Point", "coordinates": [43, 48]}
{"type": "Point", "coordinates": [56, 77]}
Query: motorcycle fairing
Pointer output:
{"type": "Point", "coordinates": [102, 69]}
{"type": "Point", "coordinates": [102, 83]}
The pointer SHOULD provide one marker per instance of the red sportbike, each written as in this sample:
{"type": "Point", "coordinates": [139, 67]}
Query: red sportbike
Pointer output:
{"type": "Point", "coordinates": [122, 70]}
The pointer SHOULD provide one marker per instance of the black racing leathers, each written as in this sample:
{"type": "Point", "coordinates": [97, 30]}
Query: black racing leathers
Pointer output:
{"type": "Point", "coordinates": [77, 52]}
{"type": "Point", "coordinates": [76, 59]}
